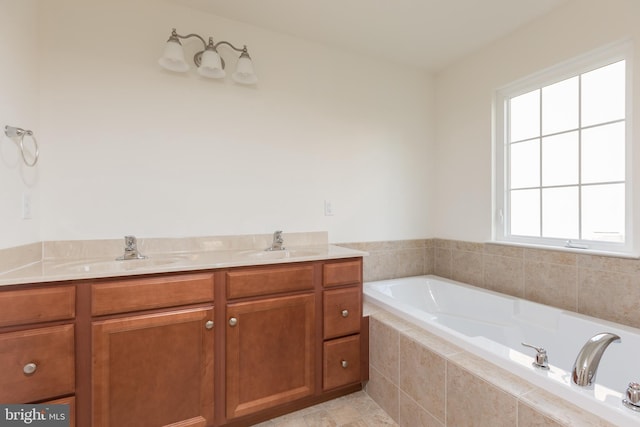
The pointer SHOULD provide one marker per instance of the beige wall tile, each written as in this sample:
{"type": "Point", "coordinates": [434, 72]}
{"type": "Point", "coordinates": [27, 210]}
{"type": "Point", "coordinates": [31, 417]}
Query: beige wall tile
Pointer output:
{"type": "Point", "coordinates": [551, 284]}
{"type": "Point", "coordinates": [541, 408]}
{"type": "Point", "coordinates": [551, 257]}
{"type": "Point", "coordinates": [610, 295]}
{"type": "Point", "coordinates": [622, 265]}
{"type": "Point", "coordinates": [467, 267]}
{"type": "Point", "coordinates": [429, 260]}
{"type": "Point", "coordinates": [384, 392]}
{"type": "Point", "coordinates": [443, 262]}
{"type": "Point", "coordinates": [504, 274]}
{"type": "Point", "coordinates": [384, 349]}
{"type": "Point", "coordinates": [473, 402]}
{"type": "Point", "coordinates": [504, 250]}
{"type": "Point", "coordinates": [528, 417]}
{"type": "Point", "coordinates": [489, 372]}
{"type": "Point", "coordinates": [422, 377]}
{"type": "Point", "coordinates": [412, 415]}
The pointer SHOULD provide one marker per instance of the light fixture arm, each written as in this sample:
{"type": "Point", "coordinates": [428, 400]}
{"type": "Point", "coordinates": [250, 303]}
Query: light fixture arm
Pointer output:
{"type": "Point", "coordinates": [243, 50]}
{"type": "Point", "coordinates": [175, 35]}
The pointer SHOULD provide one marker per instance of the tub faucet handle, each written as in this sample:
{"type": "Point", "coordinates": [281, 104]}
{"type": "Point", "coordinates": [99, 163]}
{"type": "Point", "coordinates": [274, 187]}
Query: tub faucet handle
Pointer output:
{"type": "Point", "coordinates": [633, 397]}
{"type": "Point", "coordinates": [542, 361]}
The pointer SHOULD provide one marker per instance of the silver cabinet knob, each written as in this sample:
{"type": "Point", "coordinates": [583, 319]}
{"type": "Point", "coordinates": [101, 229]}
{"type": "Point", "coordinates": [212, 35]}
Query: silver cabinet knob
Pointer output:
{"type": "Point", "coordinates": [344, 364]}
{"type": "Point", "coordinates": [29, 368]}
{"type": "Point", "coordinates": [233, 321]}
{"type": "Point", "coordinates": [345, 313]}
{"type": "Point", "coordinates": [209, 324]}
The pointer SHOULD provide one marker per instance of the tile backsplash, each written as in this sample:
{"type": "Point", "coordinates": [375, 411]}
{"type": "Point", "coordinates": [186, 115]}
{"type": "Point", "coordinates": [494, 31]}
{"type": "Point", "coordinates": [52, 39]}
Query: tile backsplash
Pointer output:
{"type": "Point", "coordinates": [600, 286]}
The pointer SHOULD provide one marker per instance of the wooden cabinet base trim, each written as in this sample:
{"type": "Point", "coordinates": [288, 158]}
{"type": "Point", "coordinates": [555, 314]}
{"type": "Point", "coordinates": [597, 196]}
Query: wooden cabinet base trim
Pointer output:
{"type": "Point", "coordinates": [290, 407]}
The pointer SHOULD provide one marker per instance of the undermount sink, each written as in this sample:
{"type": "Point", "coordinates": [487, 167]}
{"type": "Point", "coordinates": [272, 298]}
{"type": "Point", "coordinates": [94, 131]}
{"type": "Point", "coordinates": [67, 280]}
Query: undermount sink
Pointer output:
{"type": "Point", "coordinates": [279, 254]}
{"type": "Point", "coordinates": [100, 266]}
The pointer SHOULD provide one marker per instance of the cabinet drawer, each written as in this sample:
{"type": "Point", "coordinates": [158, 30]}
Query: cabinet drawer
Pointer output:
{"type": "Point", "coordinates": [265, 281]}
{"type": "Point", "coordinates": [341, 364]}
{"type": "Point", "coordinates": [23, 306]}
{"type": "Point", "coordinates": [342, 273]}
{"type": "Point", "coordinates": [71, 401]}
{"type": "Point", "coordinates": [342, 309]}
{"type": "Point", "coordinates": [157, 292]}
{"type": "Point", "coordinates": [50, 350]}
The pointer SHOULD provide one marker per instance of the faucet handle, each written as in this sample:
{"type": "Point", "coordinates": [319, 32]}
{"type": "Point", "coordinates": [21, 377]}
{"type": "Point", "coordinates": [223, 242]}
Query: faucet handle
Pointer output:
{"type": "Point", "coordinates": [542, 361]}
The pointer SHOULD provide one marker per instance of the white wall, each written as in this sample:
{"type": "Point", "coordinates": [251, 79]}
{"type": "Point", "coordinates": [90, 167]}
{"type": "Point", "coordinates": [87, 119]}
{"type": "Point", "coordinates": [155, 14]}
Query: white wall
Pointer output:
{"type": "Point", "coordinates": [130, 148]}
{"type": "Point", "coordinates": [464, 98]}
{"type": "Point", "coordinates": [18, 107]}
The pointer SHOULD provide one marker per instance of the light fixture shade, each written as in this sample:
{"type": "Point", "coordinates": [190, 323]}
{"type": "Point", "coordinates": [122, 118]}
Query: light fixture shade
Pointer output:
{"type": "Point", "coordinates": [211, 65]}
{"type": "Point", "coordinates": [173, 58]}
{"type": "Point", "coordinates": [244, 71]}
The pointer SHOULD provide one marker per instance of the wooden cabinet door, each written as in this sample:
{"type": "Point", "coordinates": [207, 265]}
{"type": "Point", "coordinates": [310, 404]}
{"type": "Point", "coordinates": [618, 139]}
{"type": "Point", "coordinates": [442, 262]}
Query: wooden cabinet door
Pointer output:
{"type": "Point", "coordinates": [269, 353]}
{"type": "Point", "coordinates": [154, 369]}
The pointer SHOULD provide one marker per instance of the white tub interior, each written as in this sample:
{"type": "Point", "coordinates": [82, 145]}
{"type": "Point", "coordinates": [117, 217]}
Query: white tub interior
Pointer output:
{"type": "Point", "coordinates": [494, 325]}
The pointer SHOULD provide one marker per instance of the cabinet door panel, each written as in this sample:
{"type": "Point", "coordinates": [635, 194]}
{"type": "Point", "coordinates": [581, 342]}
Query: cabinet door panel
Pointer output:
{"type": "Point", "coordinates": [153, 370]}
{"type": "Point", "coordinates": [269, 353]}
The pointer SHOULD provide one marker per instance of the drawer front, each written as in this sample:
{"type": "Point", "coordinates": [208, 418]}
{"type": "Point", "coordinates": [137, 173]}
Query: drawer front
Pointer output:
{"type": "Point", "coordinates": [24, 306]}
{"type": "Point", "coordinates": [48, 352]}
{"type": "Point", "coordinates": [341, 365]}
{"type": "Point", "coordinates": [71, 401]}
{"type": "Point", "coordinates": [342, 309]}
{"type": "Point", "coordinates": [157, 292]}
{"type": "Point", "coordinates": [342, 273]}
{"type": "Point", "coordinates": [266, 281]}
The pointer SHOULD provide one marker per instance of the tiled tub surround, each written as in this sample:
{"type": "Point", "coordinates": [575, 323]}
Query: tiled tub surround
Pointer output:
{"type": "Point", "coordinates": [599, 286]}
{"type": "Point", "coordinates": [419, 379]}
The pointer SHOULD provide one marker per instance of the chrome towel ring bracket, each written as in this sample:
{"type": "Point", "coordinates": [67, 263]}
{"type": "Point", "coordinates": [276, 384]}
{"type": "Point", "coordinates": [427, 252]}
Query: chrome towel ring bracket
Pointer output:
{"type": "Point", "coordinates": [18, 135]}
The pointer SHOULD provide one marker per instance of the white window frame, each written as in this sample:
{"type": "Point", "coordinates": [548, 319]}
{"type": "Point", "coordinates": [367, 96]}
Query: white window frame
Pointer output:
{"type": "Point", "coordinates": [571, 68]}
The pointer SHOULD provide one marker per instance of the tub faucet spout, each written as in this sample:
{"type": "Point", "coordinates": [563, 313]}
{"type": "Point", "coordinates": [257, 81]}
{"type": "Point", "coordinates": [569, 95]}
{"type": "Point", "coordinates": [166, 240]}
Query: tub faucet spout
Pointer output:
{"type": "Point", "coordinates": [586, 364]}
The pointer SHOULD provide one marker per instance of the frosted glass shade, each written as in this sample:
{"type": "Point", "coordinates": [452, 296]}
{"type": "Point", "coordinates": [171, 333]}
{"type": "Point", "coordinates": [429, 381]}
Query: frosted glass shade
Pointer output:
{"type": "Point", "coordinates": [211, 65]}
{"type": "Point", "coordinates": [244, 71]}
{"type": "Point", "coordinates": [173, 57]}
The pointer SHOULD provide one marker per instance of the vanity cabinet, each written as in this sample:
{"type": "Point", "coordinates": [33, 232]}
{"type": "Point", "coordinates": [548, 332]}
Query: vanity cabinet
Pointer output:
{"type": "Point", "coordinates": [270, 338]}
{"type": "Point", "coordinates": [153, 367]}
{"type": "Point", "coordinates": [37, 344]}
{"type": "Point", "coordinates": [139, 350]}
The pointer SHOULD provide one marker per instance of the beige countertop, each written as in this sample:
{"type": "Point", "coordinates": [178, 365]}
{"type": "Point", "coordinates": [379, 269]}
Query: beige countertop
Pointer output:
{"type": "Point", "coordinates": [62, 269]}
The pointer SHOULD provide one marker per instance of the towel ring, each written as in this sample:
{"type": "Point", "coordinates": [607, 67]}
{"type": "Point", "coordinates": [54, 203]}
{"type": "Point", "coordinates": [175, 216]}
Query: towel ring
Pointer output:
{"type": "Point", "coordinates": [14, 132]}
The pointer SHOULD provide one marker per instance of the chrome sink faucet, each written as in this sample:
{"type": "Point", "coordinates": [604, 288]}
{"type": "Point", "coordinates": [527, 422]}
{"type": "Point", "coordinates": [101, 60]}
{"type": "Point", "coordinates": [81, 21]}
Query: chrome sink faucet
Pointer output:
{"type": "Point", "coordinates": [586, 364]}
{"type": "Point", "coordinates": [278, 241]}
{"type": "Point", "coordinates": [130, 249]}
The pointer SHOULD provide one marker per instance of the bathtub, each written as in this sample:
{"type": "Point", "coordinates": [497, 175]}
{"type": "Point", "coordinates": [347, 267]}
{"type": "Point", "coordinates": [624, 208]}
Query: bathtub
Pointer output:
{"type": "Point", "coordinates": [493, 326]}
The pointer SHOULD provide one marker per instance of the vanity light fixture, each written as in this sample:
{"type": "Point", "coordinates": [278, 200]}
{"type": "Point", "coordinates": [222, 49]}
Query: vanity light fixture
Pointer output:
{"type": "Point", "coordinates": [208, 61]}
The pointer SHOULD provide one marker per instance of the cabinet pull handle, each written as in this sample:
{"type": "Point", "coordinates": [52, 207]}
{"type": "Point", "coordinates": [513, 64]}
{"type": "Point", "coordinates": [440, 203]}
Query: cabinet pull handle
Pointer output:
{"type": "Point", "coordinates": [29, 368]}
{"type": "Point", "coordinates": [345, 313]}
{"type": "Point", "coordinates": [209, 324]}
{"type": "Point", "coordinates": [233, 321]}
{"type": "Point", "coordinates": [344, 364]}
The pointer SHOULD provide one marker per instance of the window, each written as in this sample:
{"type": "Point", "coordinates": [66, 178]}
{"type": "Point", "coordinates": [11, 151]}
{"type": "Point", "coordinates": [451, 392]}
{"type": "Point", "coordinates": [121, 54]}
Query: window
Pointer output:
{"type": "Point", "coordinates": [562, 156]}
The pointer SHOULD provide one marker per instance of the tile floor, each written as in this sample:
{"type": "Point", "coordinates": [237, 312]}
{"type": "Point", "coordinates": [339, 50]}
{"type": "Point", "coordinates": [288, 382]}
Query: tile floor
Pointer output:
{"type": "Point", "coordinates": [354, 410]}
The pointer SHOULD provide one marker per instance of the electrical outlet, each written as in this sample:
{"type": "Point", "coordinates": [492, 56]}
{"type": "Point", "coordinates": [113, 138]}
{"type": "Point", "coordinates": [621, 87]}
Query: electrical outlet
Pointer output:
{"type": "Point", "coordinates": [26, 206]}
{"type": "Point", "coordinates": [328, 208]}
